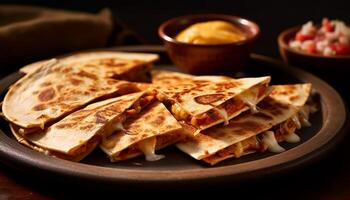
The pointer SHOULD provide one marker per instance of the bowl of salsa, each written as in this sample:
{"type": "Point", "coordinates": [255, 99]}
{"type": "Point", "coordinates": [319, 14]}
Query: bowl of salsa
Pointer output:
{"type": "Point", "coordinates": [322, 48]}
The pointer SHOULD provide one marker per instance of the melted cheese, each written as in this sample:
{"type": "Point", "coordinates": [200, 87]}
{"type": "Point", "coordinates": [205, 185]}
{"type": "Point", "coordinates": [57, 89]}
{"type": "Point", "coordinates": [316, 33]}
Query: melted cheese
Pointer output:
{"type": "Point", "coordinates": [296, 121]}
{"type": "Point", "coordinates": [270, 141]}
{"type": "Point", "coordinates": [304, 116]}
{"type": "Point", "coordinates": [238, 150]}
{"type": "Point", "coordinates": [179, 113]}
{"type": "Point", "coordinates": [250, 98]}
{"type": "Point", "coordinates": [147, 146]}
{"type": "Point", "coordinates": [223, 114]}
{"type": "Point", "coordinates": [118, 127]}
{"type": "Point", "coordinates": [292, 138]}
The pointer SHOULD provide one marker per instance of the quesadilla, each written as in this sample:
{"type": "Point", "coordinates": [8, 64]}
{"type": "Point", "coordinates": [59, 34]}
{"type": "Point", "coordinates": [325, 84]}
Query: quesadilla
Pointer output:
{"type": "Point", "coordinates": [54, 91]}
{"type": "Point", "coordinates": [152, 129]}
{"type": "Point", "coordinates": [108, 64]}
{"type": "Point", "coordinates": [79, 133]}
{"type": "Point", "coordinates": [204, 101]}
{"type": "Point", "coordinates": [276, 121]}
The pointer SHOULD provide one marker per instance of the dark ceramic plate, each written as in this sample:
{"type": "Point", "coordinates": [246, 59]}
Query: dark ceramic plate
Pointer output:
{"type": "Point", "coordinates": [178, 168]}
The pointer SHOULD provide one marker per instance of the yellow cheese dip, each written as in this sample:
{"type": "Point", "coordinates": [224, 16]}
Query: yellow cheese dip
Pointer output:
{"type": "Point", "coordinates": [211, 32]}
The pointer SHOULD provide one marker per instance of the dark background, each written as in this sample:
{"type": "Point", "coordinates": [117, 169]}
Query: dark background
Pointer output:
{"type": "Point", "coordinates": [144, 17]}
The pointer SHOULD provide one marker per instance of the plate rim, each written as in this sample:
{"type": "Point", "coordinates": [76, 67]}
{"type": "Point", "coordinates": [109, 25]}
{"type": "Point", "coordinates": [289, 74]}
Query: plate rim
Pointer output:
{"type": "Point", "coordinates": [16, 155]}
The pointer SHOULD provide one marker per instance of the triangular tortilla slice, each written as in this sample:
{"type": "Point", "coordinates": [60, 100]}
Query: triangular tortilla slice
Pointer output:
{"type": "Point", "coordinates": [153, 128]}
{"type": "Point", "coordinates": [204, 101]}
{"type": "Point", "coordinates": [79, 133]}
{"type": "Point", "coordinates": [54, 91]}
{"type": "Point", "coordinates": [109, 64]}
{"type": "Point", "coordinates": [19, 137]}
{"type": "Point", "coordinates": [239, 136]}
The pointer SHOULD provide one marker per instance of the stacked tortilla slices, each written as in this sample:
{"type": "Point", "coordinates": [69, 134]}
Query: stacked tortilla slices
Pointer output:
{"type": "Point", "coordinates": [69, 106]}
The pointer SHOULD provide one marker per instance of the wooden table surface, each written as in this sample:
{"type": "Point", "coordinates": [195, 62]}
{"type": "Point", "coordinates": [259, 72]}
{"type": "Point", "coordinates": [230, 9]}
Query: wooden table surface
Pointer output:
{"type": "Point", "coordinates": [326, 179]}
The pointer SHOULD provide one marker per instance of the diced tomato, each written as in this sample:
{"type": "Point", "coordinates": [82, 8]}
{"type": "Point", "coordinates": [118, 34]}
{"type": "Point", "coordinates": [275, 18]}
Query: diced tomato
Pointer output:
{"type": "Point", "coordinates": [327, 25]}
{"type": "Point", "coordinates": [340, 49]}
{"type": "Point", "coordinates": [311, 47]}
{"type": "Point", "coordinates": [301, 37]}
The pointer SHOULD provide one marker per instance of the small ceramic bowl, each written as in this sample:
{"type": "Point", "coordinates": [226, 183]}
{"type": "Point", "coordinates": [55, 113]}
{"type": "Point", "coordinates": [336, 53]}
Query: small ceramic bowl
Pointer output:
{"type": "Point", "coordinates": [328, 67]}
{"type": "Point", "coordinates": [225, 58]}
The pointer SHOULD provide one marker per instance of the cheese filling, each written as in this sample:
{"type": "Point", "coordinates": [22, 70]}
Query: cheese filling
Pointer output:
{"type": "Point", "coordinates": [304, 116]}
{"type": "Point", "coordinates": [292, 138]}
{"type": "Point", "coordinates": [250, 98]}
{"type": "Point", "coordinates": [270, 141]}
{"type": "Point", "coordinates": [148, 146]}
{"type": "Point", "coordinates": [296, 121]}
{"type": "Point", "coordinates": [179, 112]}
{"type": "Point", "coordinates": [247, 98]}
{"type": "Point", "coordinates": [223, 114]}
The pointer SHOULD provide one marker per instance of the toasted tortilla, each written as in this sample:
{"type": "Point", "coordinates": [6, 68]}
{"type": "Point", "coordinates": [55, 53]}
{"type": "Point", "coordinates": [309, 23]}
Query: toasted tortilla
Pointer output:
{"type": "Point", "coordinates": [110, 64]}
{"type": "Point", "coordinates": [153, 122]}
{"type": "Point", "coordinates": [75, 158]}
{"type": "Point", "coordinates": [204, 101]}
{"type": "Point", "coordinates": [54, 91]}
{"type": "Point", "coordinates": [273, 110]}
{"type": "Point", "coordinates": [80, 131]}
{"type": "Point", "coordinates": [292, 94]}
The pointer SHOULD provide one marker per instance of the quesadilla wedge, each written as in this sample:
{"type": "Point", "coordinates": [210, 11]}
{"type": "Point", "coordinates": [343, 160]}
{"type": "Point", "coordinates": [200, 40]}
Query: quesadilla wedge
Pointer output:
{"type": "Point", "coordinates": [204, 101]}
{"type": "Point", "coordinates": [19, 137]}
{"type": "Point", "coordinates": [80, 132]}
{"type": "Point", "coordinates": [54, 91]}
{"type": "Point", "coordinates": [276, 121]}
{"type": "Point", "coordinates": [152, 129]}
{"type": "Point", "coordinates": [108, 64]}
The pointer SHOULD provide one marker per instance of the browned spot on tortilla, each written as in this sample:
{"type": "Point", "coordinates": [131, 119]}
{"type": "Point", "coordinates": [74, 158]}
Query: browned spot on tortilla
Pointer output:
{"type": "Point", "coordinates": [87, 75]}
{"type": "Point", "coordinates": [47, 94]}
{"type": "Point", "coordinates": [86, 127]}
{"type": "Point", "coordinates": [100, 117]}
{"type": "Point", "coordinates": [275, 92]}
{"type": "Point", "coordinates": [113, 63]}
{"type": "Point", "coordinates": [132, 139]}
{"type": "Point", "coordinates": [168, 126]}
{"type": "Point", "coordinates": [200, 82]}
{"type": "Point", "coordinates": [93, 89]}
{"type": "Point", "coordinates": [65, 70]}
{"type": "Point", "coordinates": [75, 81]}
{"type": "Point", "coordinates": [228, 85]}
{"type": "Point", "coordinates": [147, 117]}
{"type": "Point", "coordinates": [291, 87]}
{"type": "Point", "coordinates": [65, 125]}
{"type": "Point", "coordinates": [45, 84]}
{"type": "Point", "coordinates": [35, 92]}
{"type": "Point", "coordinates": [158, 120]}
{"type": "Point", "coordinates": [136, 126]}
{"type": "Point", "coordinates": [209, 98]}
{"type": "Point", "coordinates": [39, 107]}
{"type": "Point", "coordinates": [43, 116]}
{"type": "Point", "coordinates": [294, 98]}
{"type": "Point", "coordinates": [111, 82]}
{"type": "Point", "coordinates": [263, 116]}
{"type": "Point", "coordinates": [59, 87]}
{"type": "Point", "coordinates": [144, 135]}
